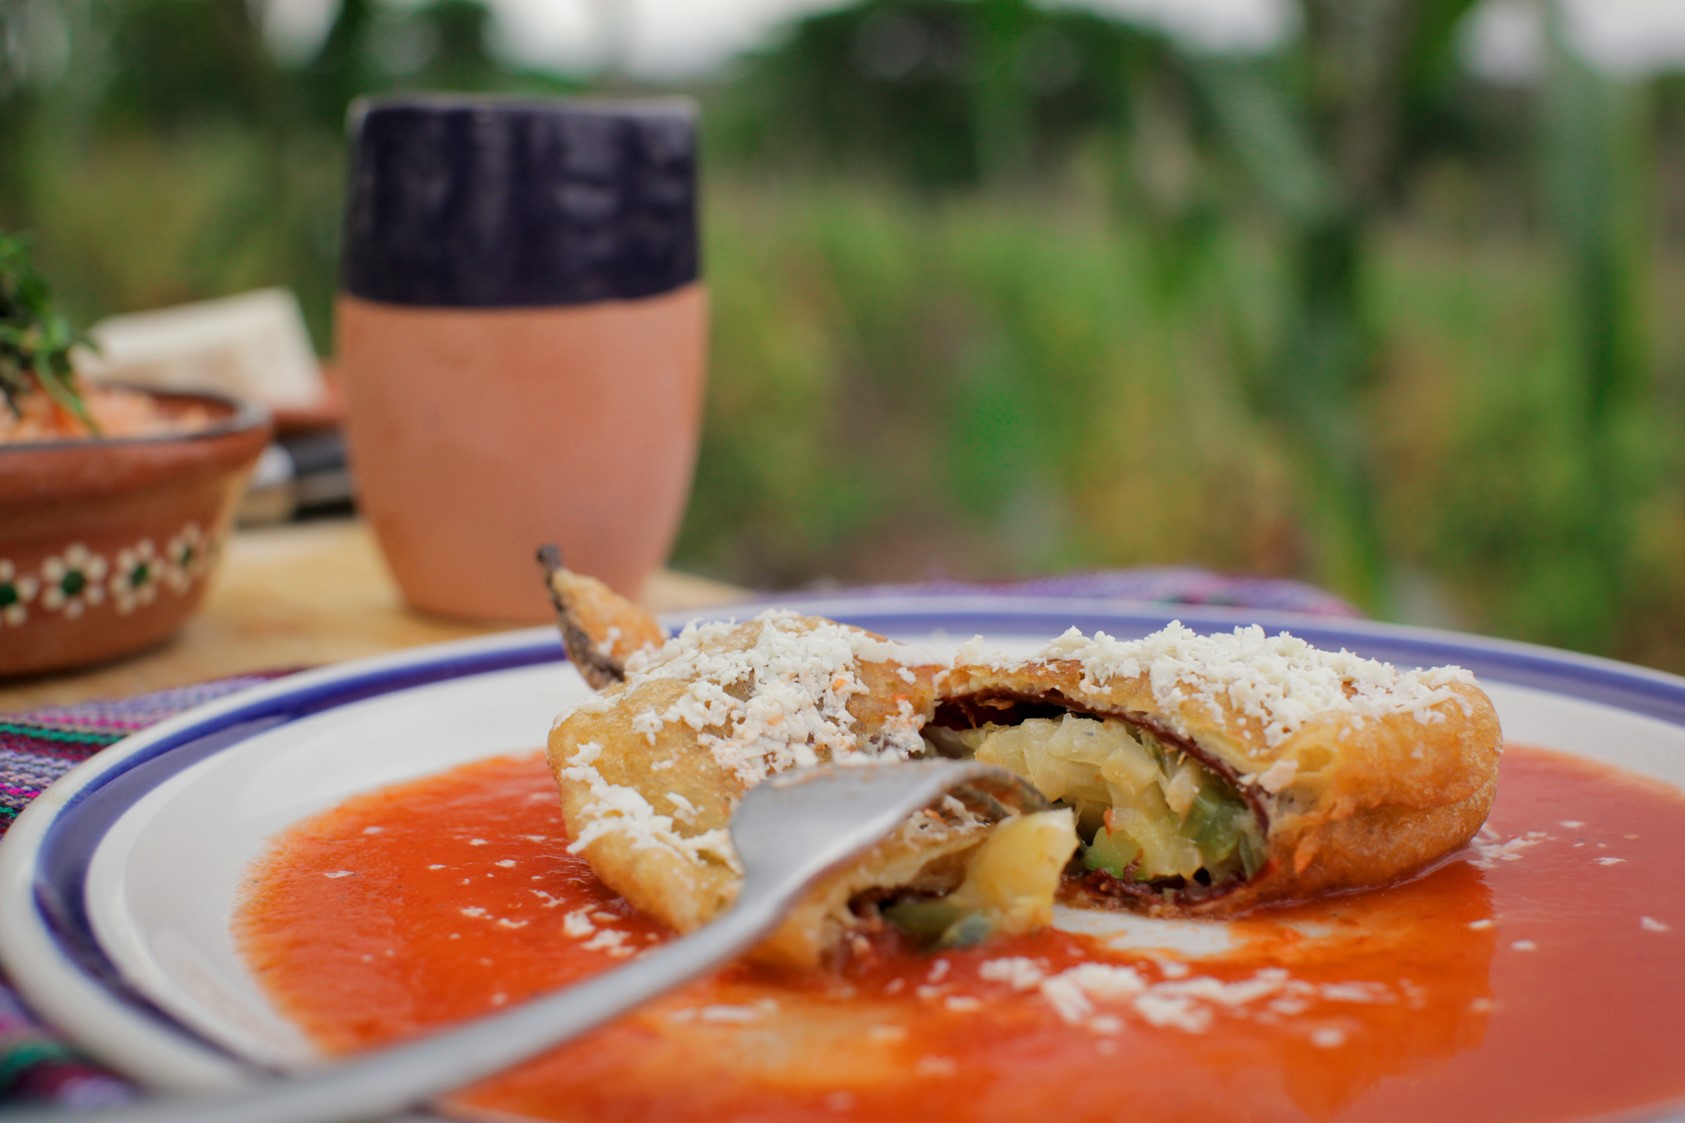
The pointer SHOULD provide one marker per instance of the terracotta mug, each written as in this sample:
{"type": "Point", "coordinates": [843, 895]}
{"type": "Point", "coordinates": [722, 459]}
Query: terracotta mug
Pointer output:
{"type": "Point", "coordinates": [522, 335]}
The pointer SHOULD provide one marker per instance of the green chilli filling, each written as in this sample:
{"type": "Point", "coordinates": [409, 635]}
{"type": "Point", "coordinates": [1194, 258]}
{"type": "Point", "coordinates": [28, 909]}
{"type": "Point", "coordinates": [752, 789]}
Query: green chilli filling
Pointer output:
{"type": "Point", "coordinates": [1146, 811]}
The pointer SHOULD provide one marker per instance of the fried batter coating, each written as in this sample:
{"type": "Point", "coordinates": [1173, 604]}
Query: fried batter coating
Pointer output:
{"type": "Point", "coordinates": [1205, 774]}
{"type": "Point", "coordinates": [600, 628]}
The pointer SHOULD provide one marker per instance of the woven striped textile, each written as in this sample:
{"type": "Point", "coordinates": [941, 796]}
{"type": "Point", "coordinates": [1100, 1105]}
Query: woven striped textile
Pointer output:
{"type": "Point", "coordinates": [37, 748]}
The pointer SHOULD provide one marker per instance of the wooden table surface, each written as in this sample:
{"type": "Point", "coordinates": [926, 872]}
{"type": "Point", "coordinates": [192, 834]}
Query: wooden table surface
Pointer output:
{"type": "Point", "coordinates": [297, 596]}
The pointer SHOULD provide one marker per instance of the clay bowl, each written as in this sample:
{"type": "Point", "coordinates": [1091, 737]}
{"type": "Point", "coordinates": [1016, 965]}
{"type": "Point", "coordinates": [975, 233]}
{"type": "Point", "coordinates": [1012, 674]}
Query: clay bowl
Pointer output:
{"type": "Point", "coordinates": [106, 545]}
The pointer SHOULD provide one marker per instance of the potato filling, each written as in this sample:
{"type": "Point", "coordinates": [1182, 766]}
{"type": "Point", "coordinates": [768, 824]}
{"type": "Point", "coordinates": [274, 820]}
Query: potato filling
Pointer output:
{"type": "Point", "coordinates": [1145, 810]}
{"type": "Point", "coordinates": [1010, 881]}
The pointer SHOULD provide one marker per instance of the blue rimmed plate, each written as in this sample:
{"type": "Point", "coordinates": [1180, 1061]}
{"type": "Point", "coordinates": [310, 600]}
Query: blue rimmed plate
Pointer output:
{"type": "Point", "coordinates": [117, 885]}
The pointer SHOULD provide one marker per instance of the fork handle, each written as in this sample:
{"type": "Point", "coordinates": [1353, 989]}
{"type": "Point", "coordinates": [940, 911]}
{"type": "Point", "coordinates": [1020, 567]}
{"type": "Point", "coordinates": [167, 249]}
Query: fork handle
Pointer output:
{"type": "Point", "coordinates": [383, 1083]}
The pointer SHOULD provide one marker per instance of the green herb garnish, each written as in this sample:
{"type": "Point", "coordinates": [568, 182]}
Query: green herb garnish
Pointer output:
{"type": "Point", "coordinates": [35, 341]}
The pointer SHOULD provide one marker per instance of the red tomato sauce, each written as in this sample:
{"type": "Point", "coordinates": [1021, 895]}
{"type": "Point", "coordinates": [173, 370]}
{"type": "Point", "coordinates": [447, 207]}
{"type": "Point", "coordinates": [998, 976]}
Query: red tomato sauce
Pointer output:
{"type": "Point", "coordinates": [1538, 975]}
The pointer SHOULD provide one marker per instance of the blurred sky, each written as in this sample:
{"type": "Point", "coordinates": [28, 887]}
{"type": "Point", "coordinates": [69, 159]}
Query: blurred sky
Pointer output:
{"type": "Point", "coordinates": [684, 38]}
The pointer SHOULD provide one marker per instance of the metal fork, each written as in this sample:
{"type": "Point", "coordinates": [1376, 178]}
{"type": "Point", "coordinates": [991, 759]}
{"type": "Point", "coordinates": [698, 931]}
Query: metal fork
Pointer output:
{"type": "Point", "coordinates": [788, 832]}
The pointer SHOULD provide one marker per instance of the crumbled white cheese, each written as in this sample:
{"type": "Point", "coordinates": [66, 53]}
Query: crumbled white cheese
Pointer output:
{"type": "Point", "coordinates": [609, 940]}
{"type": "Point", "coordinates": [729, 1014]}
{"type": "Point", "coordinates": [777, 703]}
{"type": "Point", "coordinates": [979, 652]}
{"type": "Point", "coordinates": [647, 722]}
{"type": "Point", "coordinates": [1186, 1004]}
{"type": "Point", "coordinates": [1015, 971]}
{"type": "Point", "coordinates": [1651, 924]}
{"type": "Point", "coordinates": [936, 1066]}
{"type": "Point", "coordinates": [1491, 852]}
{"type": "Point", "coordinates": [618, 809]}
{"type": "Point", "coordinates": [577, 924]}
{"type": "Point", "coordinates": [1281, 681]}
{"type": "Point", "coordinates": [1107, 1024]}
{"type": "Point", "coordinates": [780, 702]}
{"type": "Point", "coordinates": [1278, 775]}
{"type": "Point", "coordinates": [605, 646]}
{"type": "Point", "coordinates": [1072, 992]}
{"type": "Point", "coordinates": [590, 704]}
{"type": "Point", "coordinates": [1173, 1011]}
{"type": "Point", "coordinates": [738, 1014]}
{"type": "Point", "coordinates": [1356, 992]}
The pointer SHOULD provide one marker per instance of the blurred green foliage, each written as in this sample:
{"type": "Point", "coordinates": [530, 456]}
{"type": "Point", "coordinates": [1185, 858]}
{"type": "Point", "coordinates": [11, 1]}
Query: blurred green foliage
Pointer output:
{"type": "Point", "coordinates": [1001, 289]}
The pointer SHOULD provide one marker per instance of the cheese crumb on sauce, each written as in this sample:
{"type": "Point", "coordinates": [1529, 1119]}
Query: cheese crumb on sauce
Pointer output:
{"type": "Point", "coordinates": [577, 924]}
{"type": "Point", "coordinates": [610, 940]}
{"type": "Point", "coordinates": [724, 1014]}
{"type": "Point", "coordinates": [1490, 851]}
{"type": "Point", "coordinates": [1179, 1002]}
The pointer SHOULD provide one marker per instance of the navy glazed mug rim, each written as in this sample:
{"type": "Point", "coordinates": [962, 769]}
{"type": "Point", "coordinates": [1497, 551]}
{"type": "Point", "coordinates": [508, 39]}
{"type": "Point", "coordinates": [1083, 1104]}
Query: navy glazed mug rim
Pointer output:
{"type": "Point", "coordinates": [667, 105]}
{"type": "Point", "coordinates": [509, 201]}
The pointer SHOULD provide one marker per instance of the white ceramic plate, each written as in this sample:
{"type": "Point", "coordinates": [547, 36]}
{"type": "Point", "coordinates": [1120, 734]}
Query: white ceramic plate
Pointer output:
{"type": "Point", "coordinates": [116, 886]}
